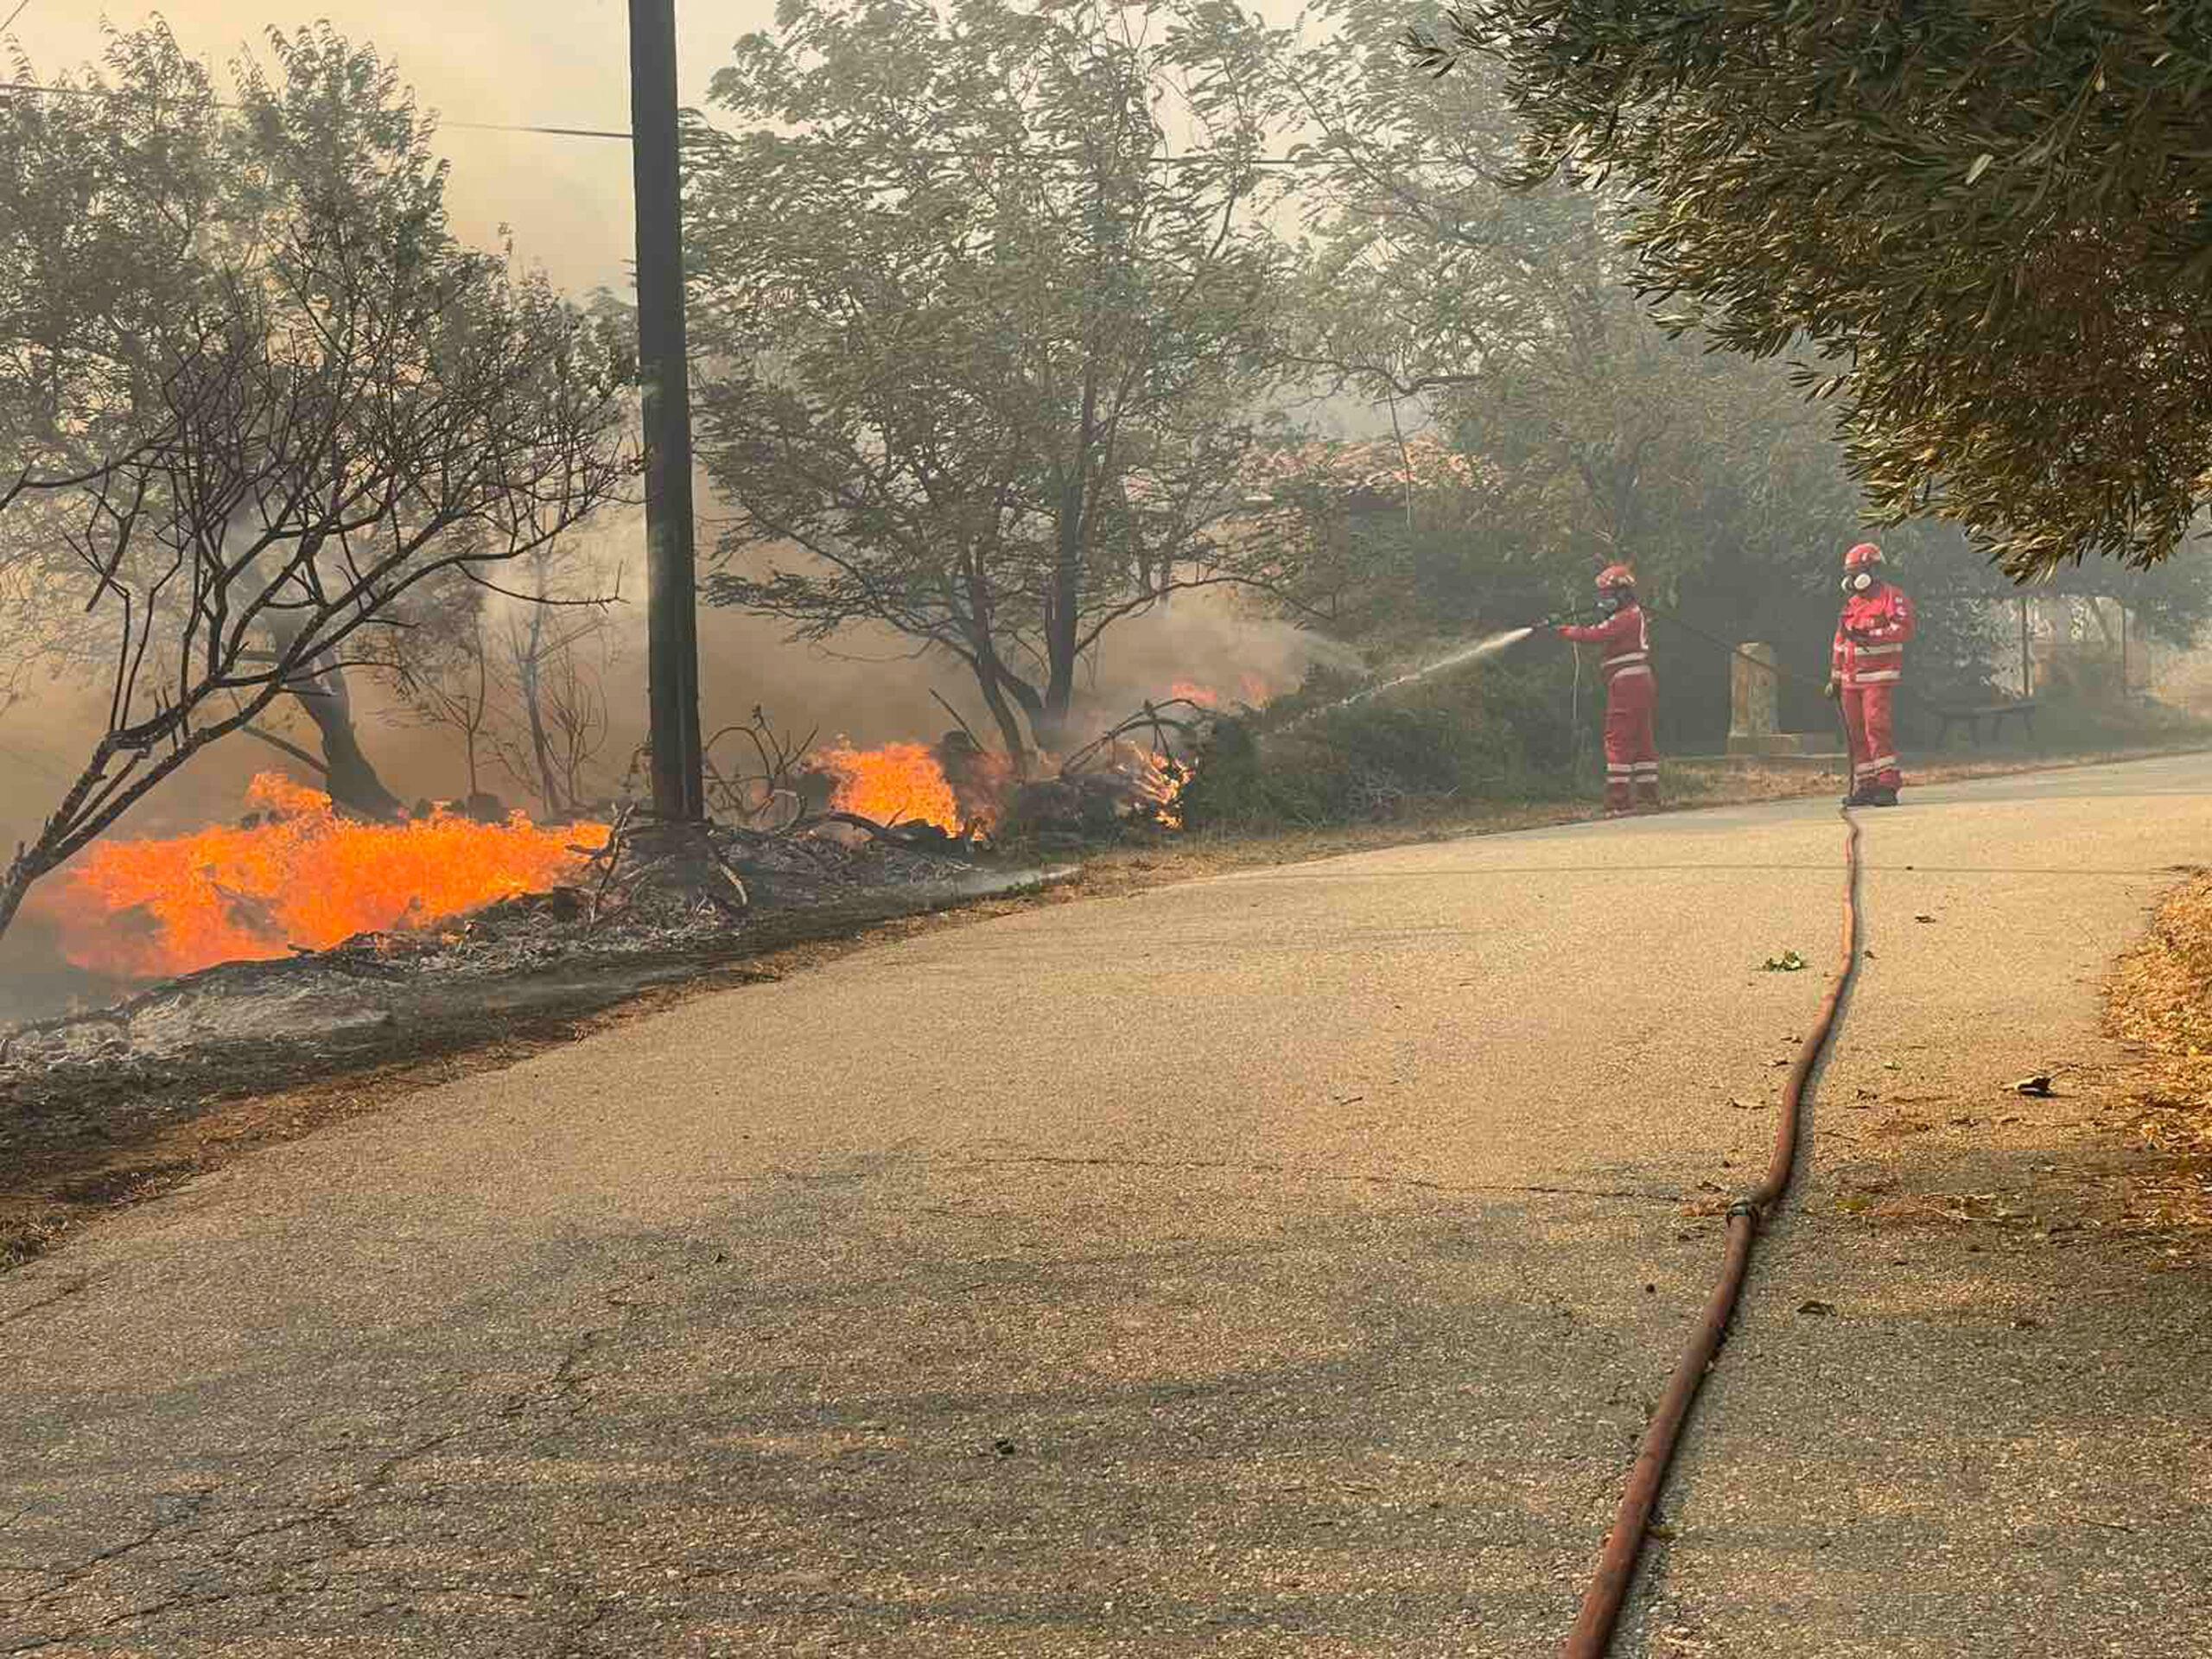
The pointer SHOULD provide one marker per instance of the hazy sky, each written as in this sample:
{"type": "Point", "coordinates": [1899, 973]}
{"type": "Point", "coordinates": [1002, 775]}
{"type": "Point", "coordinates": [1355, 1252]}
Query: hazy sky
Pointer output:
{"type": "Point", "coordinates": [548, 62]}
{"type": "Point", "coordinates": [540, 63]}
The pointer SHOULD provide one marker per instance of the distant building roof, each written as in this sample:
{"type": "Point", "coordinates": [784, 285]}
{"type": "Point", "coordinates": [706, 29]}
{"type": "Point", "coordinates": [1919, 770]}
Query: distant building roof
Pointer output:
{"type": "Point", "coordinates": [1381, 467]}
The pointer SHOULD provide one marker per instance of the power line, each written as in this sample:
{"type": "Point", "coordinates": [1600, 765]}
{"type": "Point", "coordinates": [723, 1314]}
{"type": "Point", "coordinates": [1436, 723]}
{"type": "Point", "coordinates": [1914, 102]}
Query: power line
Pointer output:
{"type": "Point", "coordinates": [561, 132]}
{"type": "Point", "coordinates": [21, 7]}
{"type": "Point", "coordinates": [113, 96]}
{"type": "Point", "coordinates": [1033, 155]}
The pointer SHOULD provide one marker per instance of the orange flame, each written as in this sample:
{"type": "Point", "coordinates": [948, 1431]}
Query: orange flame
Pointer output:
{"type": "Point", "coordinates": [1163, 790]}
{"type": "Point", "coordinates": [899, 782]}
{"type": "Point", "coordinates": [302, 877]}
{"type": "Point", "coordinates": [1252, 690]}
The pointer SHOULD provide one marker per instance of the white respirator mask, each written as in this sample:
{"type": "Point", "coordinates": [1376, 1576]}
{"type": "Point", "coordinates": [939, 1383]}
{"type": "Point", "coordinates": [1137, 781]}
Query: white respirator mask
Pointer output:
{"type": "Point", "coordinates": [1858, 581]}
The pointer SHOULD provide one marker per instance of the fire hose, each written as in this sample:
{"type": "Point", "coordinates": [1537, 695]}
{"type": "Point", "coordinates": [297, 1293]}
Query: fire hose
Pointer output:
{"type": "Point", "coordinates": [1592, 1632]}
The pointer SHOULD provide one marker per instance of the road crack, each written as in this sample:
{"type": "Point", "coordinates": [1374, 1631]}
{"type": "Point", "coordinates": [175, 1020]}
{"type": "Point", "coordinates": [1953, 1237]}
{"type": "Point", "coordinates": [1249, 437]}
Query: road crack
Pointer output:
{"type": "Point", "coordinates": [75, 1284]}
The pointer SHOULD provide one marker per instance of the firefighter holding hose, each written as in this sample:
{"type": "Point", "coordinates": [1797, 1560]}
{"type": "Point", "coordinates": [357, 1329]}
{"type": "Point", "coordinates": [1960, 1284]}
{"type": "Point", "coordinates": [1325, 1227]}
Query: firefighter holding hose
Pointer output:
{"type": "Point", "coordinates": [1866, 666]}
{"type": "Point", "coordinates": [1631, 752]}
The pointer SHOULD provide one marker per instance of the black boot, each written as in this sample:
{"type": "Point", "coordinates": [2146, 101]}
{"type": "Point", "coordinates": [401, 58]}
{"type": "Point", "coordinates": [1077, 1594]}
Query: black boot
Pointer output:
{"type": "Point", "coordinates": [1881, 795]}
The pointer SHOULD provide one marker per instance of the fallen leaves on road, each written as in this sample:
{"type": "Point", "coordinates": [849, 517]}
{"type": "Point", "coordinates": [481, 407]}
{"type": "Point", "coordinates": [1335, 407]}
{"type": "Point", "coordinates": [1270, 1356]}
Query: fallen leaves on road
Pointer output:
{"type": "Point", "coordinates": [2038, 1084]}
{"type": "Point", "coordinates": [1821, 1308]}
{"type": "Point", "coordinates": [1788, 963]}
{"type": "Point", "coordinates": [1954, 1209]}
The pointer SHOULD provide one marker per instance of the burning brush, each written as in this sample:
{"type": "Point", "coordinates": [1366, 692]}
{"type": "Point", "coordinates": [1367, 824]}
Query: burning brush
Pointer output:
{"type": "Point", "coordinates": [296, 876]}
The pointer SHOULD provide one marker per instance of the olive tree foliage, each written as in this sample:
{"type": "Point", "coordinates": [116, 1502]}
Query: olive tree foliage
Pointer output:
{"type": "Point", "coordinates": [1993, 220]}
{"type": "Point", "coordinates": [987, 308]}
{"type": "Point", "coordinates": [258, 399]}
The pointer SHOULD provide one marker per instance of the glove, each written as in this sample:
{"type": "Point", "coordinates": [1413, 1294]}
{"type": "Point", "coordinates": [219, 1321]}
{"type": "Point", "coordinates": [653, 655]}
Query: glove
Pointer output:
{"type": "Point", "coordinates": [1832, 690]}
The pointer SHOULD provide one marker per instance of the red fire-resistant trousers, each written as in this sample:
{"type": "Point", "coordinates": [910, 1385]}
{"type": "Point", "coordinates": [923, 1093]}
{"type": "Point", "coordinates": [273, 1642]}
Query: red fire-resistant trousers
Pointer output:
{"type": "Point", "coordinates": [1631, 752]}
{"type": "Point", "coordinates": [1873, 744]}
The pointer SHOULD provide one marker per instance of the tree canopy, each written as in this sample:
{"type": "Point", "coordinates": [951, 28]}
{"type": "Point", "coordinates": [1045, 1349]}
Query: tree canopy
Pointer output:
{"type": "Point", "coordinates": [986, 311]}
{"type": "Point", "coordinates": [1990, 220]}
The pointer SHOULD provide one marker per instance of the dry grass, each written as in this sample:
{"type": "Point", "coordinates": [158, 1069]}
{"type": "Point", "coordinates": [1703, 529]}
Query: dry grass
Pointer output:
{"type": "Point", "coordinates": [2159, 998]}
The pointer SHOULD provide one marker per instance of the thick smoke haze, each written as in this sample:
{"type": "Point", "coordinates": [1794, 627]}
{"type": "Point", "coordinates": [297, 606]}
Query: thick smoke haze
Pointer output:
{"type": "Point", "coordinates": [565, 202]}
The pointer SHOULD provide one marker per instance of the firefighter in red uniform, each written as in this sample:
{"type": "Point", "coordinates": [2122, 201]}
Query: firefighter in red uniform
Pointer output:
{"type": "Point", "coordinates": [1866, 666]}
{"type": "Point", "coordinates": [1631, 755]}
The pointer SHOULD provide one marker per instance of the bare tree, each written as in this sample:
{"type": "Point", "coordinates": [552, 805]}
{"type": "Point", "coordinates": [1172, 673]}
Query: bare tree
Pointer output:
{"type": "Point", "coordinates": [554, 646]}
{"type": "Point", "coordinates": [576, 718]}
{"type": "Point", "coordinates": [448, 681]}
{"type": "Point", "coordinates": [344, 405]}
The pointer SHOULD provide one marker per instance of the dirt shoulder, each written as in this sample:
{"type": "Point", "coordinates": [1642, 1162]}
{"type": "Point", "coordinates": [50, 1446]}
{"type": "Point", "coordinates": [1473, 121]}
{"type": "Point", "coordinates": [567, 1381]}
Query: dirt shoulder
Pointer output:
{"type": "Point", "coordinates": [2159, 1002]}
{"type": "Point", "coordinates": [101, 1139]}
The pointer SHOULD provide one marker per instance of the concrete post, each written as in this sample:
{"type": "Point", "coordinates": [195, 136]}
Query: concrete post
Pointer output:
{"type": "Point", "coordinates": [1753, 684]}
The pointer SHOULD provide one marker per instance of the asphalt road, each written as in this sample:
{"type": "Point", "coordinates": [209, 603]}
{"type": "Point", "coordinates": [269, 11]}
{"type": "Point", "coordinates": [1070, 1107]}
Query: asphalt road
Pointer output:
{"type": "Point", "coordinates": [1272, 1265]}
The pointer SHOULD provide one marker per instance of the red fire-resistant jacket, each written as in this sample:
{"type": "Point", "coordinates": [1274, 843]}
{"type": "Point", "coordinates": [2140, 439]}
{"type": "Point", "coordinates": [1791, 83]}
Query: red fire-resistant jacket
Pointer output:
{"type": "Point", "coordinates": [1869, 638]}
{"type": "Point", "coordinates": [1627, 639]}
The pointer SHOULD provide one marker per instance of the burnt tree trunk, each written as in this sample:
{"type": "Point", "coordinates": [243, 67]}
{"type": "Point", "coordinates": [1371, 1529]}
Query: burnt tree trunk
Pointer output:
{"type": "Point", "coordinates": [351, 777]}
{"type": "Point", "coordinates": [1064, 608]}
{"type": "Point", "coordinates": [999, 687]}
{"type": "Point", "coordinates": [529, 663]}
{"type": "Point", "coordinates": [319, 690]}
{"type": "Point", "coordinates": [1003, 715]}
{"type": "Point", "coordinates": [20, 873]}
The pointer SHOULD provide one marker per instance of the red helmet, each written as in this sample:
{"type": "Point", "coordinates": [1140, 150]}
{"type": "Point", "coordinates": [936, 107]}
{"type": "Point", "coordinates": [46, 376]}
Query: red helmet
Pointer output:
{"type": "Point", "coordinates": [1615, 575]}
{"type": "Point", "coordinates": [1864, 553]}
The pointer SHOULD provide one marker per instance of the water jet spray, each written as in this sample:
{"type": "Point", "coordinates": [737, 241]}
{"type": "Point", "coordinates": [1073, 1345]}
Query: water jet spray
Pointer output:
{"type": "Point", "coordinates": [1488, 645]}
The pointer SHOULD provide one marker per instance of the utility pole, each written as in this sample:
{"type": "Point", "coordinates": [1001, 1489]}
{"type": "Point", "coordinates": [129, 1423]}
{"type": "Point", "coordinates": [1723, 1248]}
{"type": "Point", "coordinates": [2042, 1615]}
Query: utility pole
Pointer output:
{"type": "Point", "coordinates": [671, 588]}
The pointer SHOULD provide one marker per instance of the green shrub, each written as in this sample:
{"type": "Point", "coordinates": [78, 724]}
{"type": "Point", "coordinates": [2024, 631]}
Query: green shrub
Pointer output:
{"type": "Point", "coordinates": [1501, 730]}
